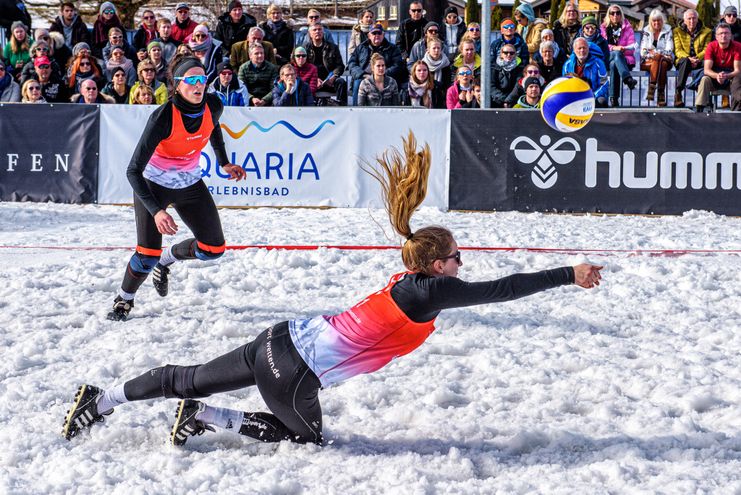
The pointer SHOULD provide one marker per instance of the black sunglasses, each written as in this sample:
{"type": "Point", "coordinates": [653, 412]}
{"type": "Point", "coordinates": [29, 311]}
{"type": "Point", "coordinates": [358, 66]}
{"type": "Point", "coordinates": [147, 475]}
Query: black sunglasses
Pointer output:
{"type": "Point", "coordinates": [456, 257]}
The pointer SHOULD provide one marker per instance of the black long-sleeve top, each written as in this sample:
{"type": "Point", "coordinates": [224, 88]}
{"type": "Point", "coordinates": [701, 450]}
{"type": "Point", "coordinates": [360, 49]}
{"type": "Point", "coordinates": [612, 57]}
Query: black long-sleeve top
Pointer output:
{"type": "Point", "coordinates": [159, 128]}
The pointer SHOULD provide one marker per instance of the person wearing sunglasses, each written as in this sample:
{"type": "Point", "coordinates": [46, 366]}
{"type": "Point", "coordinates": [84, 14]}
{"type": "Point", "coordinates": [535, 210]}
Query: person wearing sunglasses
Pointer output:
{"type": "Point", "coordinates": [411, 29]}
{"type": "Point", "coordinates": [107, 19]}
{"type": "Point", "coordinates": [90, 95]}
{"type": "Point", "coordinates": [31, 92]}
{"type": "Point", "coordinates": [586, 63]}
{"type": "Point", "coordinates": [510, 37]}
{"type": "Point", "coordinates": [39, 49]}
{"type": "Point", "coordinates": [83, 68]}
{"type": "Point", "coordinates": [359, 33]}
{"type": "Point", "coordinates": [730, 17]}
{"type": "Point", "coordinates": [305, 70]}
{"type": "Point", "coordinates": [432, 32]}
{"type": "Point", "coordinates": [146, 72]}
{"type": "Point", "coordinates": [313, 16]}
{"type": "Point", "coordinates": [621, 44]}
{"type": "Point", "coordinates": [691, 39]}
{"type": "Point", "coordinates": [473, 33]}
{"type": "Point", "coordinates": [326, 57]}
{"type": "Point", "coordinates": [657, 54]}
{"type": "Point", "coordinates": [460, 92]}
{"type": "Point", "coordinates": [529, 27]}
{"type": "Point", "coordinates": [184, 25]}
{"type": "Point", "coordinates": [279, 34]}
{"type": "Point", "coordinates": [117, 38]}
{"type": "Point", "coordinates": [531, 70]}
{"type": "Point", "coordinates": [290, 362]}
{"type": "Point", "coordinates": [70, 25]}
{"type": "Point", "coordinates": [10, 91]}
{"type": "Point", "coordinates": [228, 87]}
{"type": "Point", "coordinates": [452, 32]}
{"type": "Point", "coordinates": [147, 31]}
{"type": "Point", "coordinates": [53, 88]}
{"type": "Point", "coordinates": [590, 31]}
{"type": "Point", "coordinates": [164, 170]}
{"type": "Point", "coordinates": [207, 49]}
{"type": "Point", "coordinates": [233, 26]}
{"type": "Point", "coordinates": [505, 72]}
{"type": "Point", "coordinates": [566, 28]}
{"type": "Point", "coordinates": [118, 60]}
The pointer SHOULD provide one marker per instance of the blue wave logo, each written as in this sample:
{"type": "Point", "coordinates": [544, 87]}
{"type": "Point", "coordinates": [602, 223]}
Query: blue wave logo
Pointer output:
{"type": "Point", "coordinates": [287, 125]}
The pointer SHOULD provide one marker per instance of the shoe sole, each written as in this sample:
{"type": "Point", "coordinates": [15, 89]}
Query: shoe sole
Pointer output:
{"type": "Point", "coordinates": [68, 420]}
{"type": "Point", "coordinates": [179, 415]}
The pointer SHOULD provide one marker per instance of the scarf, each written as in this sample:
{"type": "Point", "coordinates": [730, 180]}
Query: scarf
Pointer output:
{"type": "Point", "coordinates": [187, 108]}
{"type": "Point", "coordinates": [101, 27]}
{"type": "Point", "coordinates": [149, 34]}
{"type": "Point", "coordinates": [508, 65]}
{"type": "Point", "coordinates": [126, 65]}
{"type": "Point", "coordinates": [436, 66]}
{"type": "Point", "coordinates": [419, 95]}
{"type": "Point", "coordinates": [276, 26]}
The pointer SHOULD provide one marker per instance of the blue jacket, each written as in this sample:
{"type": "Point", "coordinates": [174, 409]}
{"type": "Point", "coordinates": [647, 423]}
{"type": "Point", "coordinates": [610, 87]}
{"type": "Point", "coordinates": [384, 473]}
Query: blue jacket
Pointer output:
{"type": "Point", "coordinates": [300, 98]}
{"type": "Point", "coordinates": [594, 73]}
{"type": "Point", "coordinates": [233, 96]}
{"type": "Point", "coordinates": [519, 44]}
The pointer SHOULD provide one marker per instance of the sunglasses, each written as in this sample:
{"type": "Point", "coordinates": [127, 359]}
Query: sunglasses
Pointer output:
{"type": "Point", "coordinates": [148, 17]}
{"type": "Point", "coordinates": [731, 15]}
{"type": "Point", "coordinates": [91, 89]}
{"type": "Point", "coordinates": [508, 26]}
{"type": "Point", "coordinates": [533, 72]}
{"type": "Point", "coordinates": [42, 49]}
{"type": "Point", "coordinates": [507, 53]}
{"type": "Point", "coordinates": [34, 88]}
{"type": "Point", "coordinates": [456, 257]}
{"type": "Point", "coordinates": [474, 29]}
{"type": "Point", "coordinates": [44, 66]}
{"type": "Point", "coordinates": [109, 12]}
{"type": "Point", "coordinates": [84, 64]}
{"type": "Point", "coordinates": [116, 37]}
{"type": "Point", "coordinates": [193, 80]}
{"type": "Point", "coordinates": [433, 31]}
{"type": "Point", "coordinates": [416, 11]}
{"type": "Point", "coordinates": [226, 73]}
{"type": "Point", "coordinates": [313, 17]}
{"type": "Point", "coordinates": [465, 73]}
{"type": "Point", "coordinates": [615, 12]}
{"type": "Point", "coordinates": [300, 55]}
{"type": "Point", "coordinates": [149, 69]}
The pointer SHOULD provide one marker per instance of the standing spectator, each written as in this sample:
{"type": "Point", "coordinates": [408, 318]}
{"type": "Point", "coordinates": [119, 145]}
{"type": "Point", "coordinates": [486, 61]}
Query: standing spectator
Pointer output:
{"type": "Point", "coordinates": [90, 95]}
{"type": "Point", "coordinates": [52, 87]}
{"type": "Point", "coordinates": [359, 64]}
{"type": "Point", "coordinates": [313, 17]}
{"type": "Point", "coordinates": [550, 69]}
{"type": "Point", "coordinates": [529, 27]}
{"type": "Point", "coordinates": [116, 38]}
{"type": "Point", "coordinates": [460, 93]}
{"type": "Point", "coordinates": [11, 11]}
{"type": "Point", "coordinates": [621, 44]}
{"type": "Point", "coordinates": [258, 77]}
{"type": "Point", "coordinates": [422, 90]}
{"type": "Point", "coordinates": [154, 53]}
{"type": "Point", "coordinates": [240, 50]}
{"type": "Point", "coordinates": [107, 19]}
{"type": "Point", "coordinates": [378, 89]}
{"type": "Point", "coordinates": [510, 37]}
{"type": "Point", "coordinates": [17, 52]}
{"type": "Point", "coordinates": [279, 34]}
{"type": "Point", "coordinates": [432, 32]}
{"type": "Point", "coordinates": [531, 70]}
{"type": "Point", "coordinates": [360, 30]}
{"type": "Point", "coordinates": [730, 17]}
{"type": "Point", "coordinates": [586, 63]}
{"type": "Point", "coordinates": [117, 87]}
{"type": "Point", "coordinates": [117, 61]}
{"type": "Point", "coordinates": [325, 56]}
{"type": "Point", "coordinates": [228, 88]}
{"type": "Point", "coordinates": [453, 29]}
{"type": "Point", "coordinates": [169, 45]}
{"type": "Point", "coordinates": [473, 33]}
{"type": "Point", "coordinates": [590, 32]}
{"type": "Point", "coordinates": [83, 68]}
{"type": "Point", "coordinates": [146, 72]}
{"type": "Point", "coordinates": [207, 50]}
{"type": "Point", "coordinates": [504, 75]}
{"type": "Point", "coordinates": [31, 92]}
{"type": "Point", "coordinates": [722, 65]}
{"type": "Point", "coordinates": [531, 99]}
{"type": "Point", "coordinates": [411, 30]}
{"type": "Point", "coordinates": [290, 91]}
{"type": "Point", "coordinates": [10, 91]}
{"type": "Point", "coordinates": [438, 64]}
{"type": "Point", "coordinates": [142, 95]}
{"type": "Point", "coordinates": [305, 70]}
{"type": "Point", "coordinates": [147, 31]}
{"type": "Point", "coordinates": [70, 25]}
{"type": "Point", "coordinates": [470, 59]}
{"type": "Point", "coordinates": [567, 27]}
{"type": "Point", "coordinates": [690, 40]}
{"type": "Point", "coordinates": [184, 25]}
{"type": "Point", "coordinates": [233, 26]}
{"type": "Point", "coordinates": [657, 54]}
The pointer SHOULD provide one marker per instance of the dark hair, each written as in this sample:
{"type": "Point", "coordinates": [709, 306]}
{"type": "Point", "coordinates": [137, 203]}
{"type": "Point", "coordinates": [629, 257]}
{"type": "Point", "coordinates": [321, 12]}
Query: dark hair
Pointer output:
{"type": "Point", "coordinates": [67, 4]}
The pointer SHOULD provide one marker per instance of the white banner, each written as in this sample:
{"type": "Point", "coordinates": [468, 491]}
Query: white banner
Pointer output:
{"type": "Point", "coordinates": [292, 156]}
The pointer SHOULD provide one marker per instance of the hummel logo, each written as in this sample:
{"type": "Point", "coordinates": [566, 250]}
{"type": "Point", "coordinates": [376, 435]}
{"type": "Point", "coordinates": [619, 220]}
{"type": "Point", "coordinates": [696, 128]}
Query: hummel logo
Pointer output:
{"type": "Point", "coordinates": [544, 174]}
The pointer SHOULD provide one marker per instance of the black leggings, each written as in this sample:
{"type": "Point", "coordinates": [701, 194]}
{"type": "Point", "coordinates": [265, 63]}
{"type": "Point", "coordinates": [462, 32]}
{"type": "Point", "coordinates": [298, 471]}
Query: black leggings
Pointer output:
{"type": "Point", "coordinates": [288, 387]}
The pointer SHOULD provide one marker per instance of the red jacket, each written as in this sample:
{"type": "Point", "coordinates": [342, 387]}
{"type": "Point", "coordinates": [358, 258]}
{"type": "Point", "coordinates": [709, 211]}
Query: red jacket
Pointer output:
{"type": "Point", "coordinates": [309, 74]}
{"type": "Point", "coordinates": [180, 33]}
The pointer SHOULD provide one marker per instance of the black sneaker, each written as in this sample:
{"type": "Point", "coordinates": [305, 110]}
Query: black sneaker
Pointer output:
{"type": "Point", "coordinates": [121, 309]}
{"type": "Point", "coordinates": [159, 278]}
{"type": "Point", "coordinates": [186, 425]}
{"type": "Point", "coordinates": [84, 412]}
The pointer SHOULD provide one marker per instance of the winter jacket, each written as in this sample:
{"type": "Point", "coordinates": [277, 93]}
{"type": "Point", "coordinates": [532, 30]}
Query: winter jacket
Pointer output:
{"type": "Point", "coordinates": [417, 53]}
{"type": "Point", "coordinates": [12, 58]}
{"type": "Point", "coordinates": [239, 54]}
{"type": "Point", "coordinates": [452, 98]}
{"type": "Point", "coordinates": [213, 58]}
{"type": "Point", "coordinates": [11, 91]}
{"type": "Point", "coordinates": [458, 63]}
{"type": "Point", "coordinates": [331, 60]}
{"type": "Point", "coordinates": [359, 63]}
{"type": "Point", "coordinates": [595, 72]}
{"type": "Point", "coordinates": [129, 51]}
{"type": "Point", "coordinates": [531, 32]}
{"type": "Point", "coordinates": [522, 103]}
{"type": "Point", "coordinates": [519, 91]}
{"type": "Point", "coordinates": [522, 52]}
{"type": "Point", "coordinates": [301, 97]}
{"type": "Point", "coordinates": [451, 35]}
{"type": "Point", "coordinates": [627, 39]}
{"type": "Point", "coordinates": [180, 32]}
{"type": "Point", "coordinates": [230, 32]}
{"type": "Point", "coordinates": [438, 96]}
{"type": "Point", "coordinates": [503, 82]}
{"type": "Point", "coordinates": [143, 37]}
{"type": "Point", "coordinates": [302, 36]}
{"type": "Point", "coordinates": [370, 96]}
{"type": "Point", "coordinates": [664, 45]}
{"type": "Point", "coordinates": [601, 42]}
{"type": "Point", "coordinates": [357, 36]}
{"type": "Point", "coordinates": [282, 40]}
{"type": "Point", "coordinates": [160, 92]}
{"type": "Point", "coordinates": [259, 81]}
{"type": "Point", "coordinates": [234, 95]}
{"type": "Point", "coordinates": [308, 73]}
{"type": "Point", "coordinates": [102, 98]}
{"type": "Point", "coordinates": [76, 33]}
{"type": "Point", "coordinates": [55, 91]}
{"type": "Point", "coordinates": [11, 11]}
{"type": "Point", "coordinates": [682, 41]}
{"type": "Point", "coordinates": [108, 90]}
{"type": "Point", "coordinates": [410, 31]}
{"type": "Point", "coordinates": [564, 35]}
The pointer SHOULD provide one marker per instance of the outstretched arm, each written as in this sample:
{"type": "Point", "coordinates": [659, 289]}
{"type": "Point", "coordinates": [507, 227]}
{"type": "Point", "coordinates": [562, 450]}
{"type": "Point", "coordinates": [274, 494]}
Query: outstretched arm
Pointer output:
{"type": "Point", "coordinates": [587, 275]}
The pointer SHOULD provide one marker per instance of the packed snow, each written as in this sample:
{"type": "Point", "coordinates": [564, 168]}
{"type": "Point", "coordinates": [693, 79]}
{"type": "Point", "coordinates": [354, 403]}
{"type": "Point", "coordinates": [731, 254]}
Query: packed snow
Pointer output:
{"type": "Point", "coordinates": [633, 387]}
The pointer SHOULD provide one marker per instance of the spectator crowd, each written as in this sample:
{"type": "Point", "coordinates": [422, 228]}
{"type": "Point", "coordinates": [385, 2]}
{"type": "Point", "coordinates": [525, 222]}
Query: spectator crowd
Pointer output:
{"type": "Point", "coordinates": [430, 64]}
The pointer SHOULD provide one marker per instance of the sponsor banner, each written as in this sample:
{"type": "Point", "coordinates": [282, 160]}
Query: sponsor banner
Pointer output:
{"type": "Point", "coordinates": [49, 153]}
{"type": "Point", "coordinates": [292, 156]}
{"type": "Point", "coordinates": [626, 162]}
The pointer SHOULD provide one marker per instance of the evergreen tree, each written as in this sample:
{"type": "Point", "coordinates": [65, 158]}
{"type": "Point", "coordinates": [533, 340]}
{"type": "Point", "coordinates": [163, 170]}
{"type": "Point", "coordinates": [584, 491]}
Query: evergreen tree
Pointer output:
{"type": "Point", "coordinates": [473, 12]}
{"type": "Point", "coordinates": [496, 19]}
{"type": "Point", "coordinates": [561, 8]}
{"type": "Point", "coordinates": [705, 11]}
{"type": "Point", "coordinates": [554, 12]}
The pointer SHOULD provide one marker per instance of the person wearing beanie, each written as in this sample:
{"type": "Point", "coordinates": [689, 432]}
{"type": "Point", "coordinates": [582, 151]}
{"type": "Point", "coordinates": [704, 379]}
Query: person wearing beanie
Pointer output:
{"type": "Point", "coordinates": [10, 91]}
{"type": "Point", "coordinates": [70, 25]}
{"type": "Point", "coordinates": [207, 49]}
{"type": "Point", "coordinates": [590, 32]}
{"type": "Point", "coordinates": [411, 29]}
{"type": "Point", "coordinates": [531, 99]}
{"type": "Point", "coordinates": [453, 29]}
{"type": "Point", "coordinates": [17, 51]}
{"type": "Point", "coordinates": [531, 70]}
{"type": "Point", "coordinates": [529, 26]}
{"type": "Point", "coordinates": [164, 170]}
{"type": "Point", "coordinates": [155, 53]}
{"type": "Point", "coordinates": [305, 70]}
{"type": "Point", "coordinates": [184, 25]}
{"type": "Point", "coordinates": [730, 17]}
{"type": "Point", "coordinates": [510, 36]}
{"type": "Point", "coordinates": [228, 87]}
{"type": "Point", "coordinates": [107, 19]}
{"type": "Point", "coordinates": [233, 26]}
{"type": "Point", "coordinates": [147, 30]}
{"type": "Point", "coordinates": [279, 34]}
{"type": "Point", "coordinates": [431, 32]}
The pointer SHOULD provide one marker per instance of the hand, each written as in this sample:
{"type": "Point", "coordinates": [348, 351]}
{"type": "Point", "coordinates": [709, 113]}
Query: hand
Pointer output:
{"type": "Point", "coordinates": [257, 102]}
{"type": "Point", "coordinates": [165, 223]}
{"type": "Point", "coordinates": [469, 95]}
{"type": "Point", "coordinates": [462, 95]}
{"type": "Point", "coordinates": [289, 86]}
{"type": "Point", "coordinates": [587, 275]}
{"type": "Point", "coordinates": [319, 83]}
{"type": "Point", "coordinates": [235, 172]}
{"type": "Point", "coordinates": [19, 64]}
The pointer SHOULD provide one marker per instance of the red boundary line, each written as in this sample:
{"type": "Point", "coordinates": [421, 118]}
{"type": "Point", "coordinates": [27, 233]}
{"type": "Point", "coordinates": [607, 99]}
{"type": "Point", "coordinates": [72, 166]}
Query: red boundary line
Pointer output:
{"type": "Point", "coordinates": [313, 247]}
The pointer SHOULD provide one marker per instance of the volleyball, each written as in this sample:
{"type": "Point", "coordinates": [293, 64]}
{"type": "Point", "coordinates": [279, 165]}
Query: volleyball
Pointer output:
{"type": "Point", "coordinates": [567, 104]}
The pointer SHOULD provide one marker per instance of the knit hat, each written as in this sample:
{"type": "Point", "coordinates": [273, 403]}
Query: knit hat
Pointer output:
{"type": "Point", "coordinates": [730, 10]}
{"type": "Point", "coordinates": [234, 4]}
{"type": "Point", "coordinates": [106, 6]}
{"type": "Point", "coordinates": [590, 19]}
{"type": "Point", "coordinates": [79, 47]}
{"type": "Point", "coordinates": [42, 60]}
{"type": "Point", "coordinates": [432, 24]}
{"type": "Point", "coordinates": [299, 50]}
{"type": "Point", "coordinates": [225, 65]}
{"type": "Point", "coordinates": [505, 21]}
{"type": "Point", "coordinates": [531, 80]}
{"type": "Point", "coordinates": [153, 44]}
{"type": "Point", "coordinates": [18, 24]}
{"type": "Point", "coordinates": [451, 10]}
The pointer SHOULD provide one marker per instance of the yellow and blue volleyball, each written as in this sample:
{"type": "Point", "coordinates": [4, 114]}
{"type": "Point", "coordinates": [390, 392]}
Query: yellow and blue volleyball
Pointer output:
{"type": "Point", "coordinates": [567, 104]}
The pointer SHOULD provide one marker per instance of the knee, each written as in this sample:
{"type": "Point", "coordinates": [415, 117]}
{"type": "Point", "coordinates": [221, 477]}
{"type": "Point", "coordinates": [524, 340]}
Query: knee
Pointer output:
{"type": "Point", "coordinates": [143, 263]}
{"type": "Point", "coordinates": [177, 381]}
{"type": "Point", "coordinates": [205, 252]}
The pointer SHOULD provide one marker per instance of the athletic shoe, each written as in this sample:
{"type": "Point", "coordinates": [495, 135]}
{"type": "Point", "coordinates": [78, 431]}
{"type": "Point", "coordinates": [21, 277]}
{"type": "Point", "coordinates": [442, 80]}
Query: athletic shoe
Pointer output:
{"type": "Point", "coordinates": [84, 412]}
{"type": "Point", "coordinates": [121, 309]}
{"type": "Point", "coordinates": [186, 425]}
{"type": "Point", "coordinates": [159, 277]}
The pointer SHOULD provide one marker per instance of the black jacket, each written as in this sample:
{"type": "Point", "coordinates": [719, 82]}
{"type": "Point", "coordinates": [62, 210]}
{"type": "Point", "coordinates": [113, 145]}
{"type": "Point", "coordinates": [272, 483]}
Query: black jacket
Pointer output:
{"type": "Point", "coordinates": [359, 63]}
{"type": "Point", "coordinates": [330, 62]}
{"type": "Point", "coordinates": [502, 83]}
{"type": "Point", "coordinates": [80, 31]}
{"type": "Point", "coordinates": [438, 96]}
{"type": "Point", "coordinates": [409, 33]}
{"type": "Point", "coordinates": [282, 41]}
{"type": "Point", "coordinates": [229, 32]}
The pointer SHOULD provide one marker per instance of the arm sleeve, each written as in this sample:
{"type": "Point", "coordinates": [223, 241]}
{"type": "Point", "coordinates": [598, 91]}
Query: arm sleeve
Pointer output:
{"type": "Point", "coordinates": [217, 137]}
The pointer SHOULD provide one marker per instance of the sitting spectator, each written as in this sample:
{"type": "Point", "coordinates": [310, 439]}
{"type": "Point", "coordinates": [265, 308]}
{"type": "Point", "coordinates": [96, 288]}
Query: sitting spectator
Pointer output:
{"type": "Point", "coordinates": [559, 54]}
{"type": "Point", "coordinates": [453, 29]}
{"type": "Point", "coordinates": [422, 90]}
{"type": "Point", "coordinates": [31, 92]}
{"type": "Point", "coordinates": [722, 66]}
{"type": "Point", "coordinates": [549, 68]}
{"type": "Point", "coordinates": [475, 101]}
{"type": "Point", "coordinates": [107, 19]}
{"type": "Point", "coordinates": [431, 32]}
{"type": "Point", "coordinates": [586, 63]}
{"type": "Point", "coordinates": [147, 77]}
{"type": "Point", "coordinates": [509, 37]}
{"type": "Point", "coordinates": [169, 44]}
{"type": "Point", "coordinates": [119, 61]}
{"type": "Point", "coordinates": [590, 32]}
{"type": "Point", "coordinates": [531, 98]}
{"type": "Point", "coordinates": [505, 72]}
{"type": "Point", "coordinates": [621, 44]}
{"type": "Point", "coordinates": [233, 26]}
{"type": "Point", "coordinates": [116, 38]}
{"type": "Point", "coordinates": [10, 91]}
{"type": "Point", "coordinates": [473, 33]}
{"type": "Point", "coordinates": [290, 91]}
{"type": "Point", "coordinates": [184, 25]}
{"type": "Point", "coordinates": [147, 31]}
{"type": "Point", "coordinates": [411, 29]}
{"type": "Point", "coordinates": [39, 49]}
{"type": "Point", "coordinates": [690, 40]}
{"type": "Point", "coordinates": [529, 27]}
{"type": "Point", "coordinates": [468, 58]}
{"type": "Point", "coordinates": [258, 76]}
{"type": "Point", "coordinates": [530, 71]}
{"type": "Point", "coordinates": [378, 89]}
{"type": "Point", "coordinates": [730, 17]}
{"type": "Point", "coordinates": [438, 64]}
{"type": "Point", "coordinates": [83, 68]}
{"type": "Point", "coordinates": [325, 56]}
{"type": "Point", "coordinates": [182, 49]}
{"type": "Point", "coordinates": [207, 50]}
{"type": "Point", "coordinates": [240, 50]}
{"type": "Point", "coordinates": [305, 71]}
{"type": "Point", "coordinates": [89, 94]}
{"type": "Point", "coordinates": [228, 88]}
{"type": "Point", "coordinates": [58, 51]}
{"type": "Point", "coordinates": [53, 88]}
{"type": "Point", "coordinates": [657, 54]}
{"type": "Point", "coordinates": [142, 95]}
{"type": "Point", "coordinates": [154, 53]}
{"type": "Point", "coordinates": [279, 34]}
{"type": "Point", "coordinates": [460, 93]}
{"type": "Point", "coordinates": [359, 64]}
{"type": "Point", "coordinates": [17, 52]}
{"type": "Point", "coordinates": [313, 16]}
{"type": "Point", "coordinates": [566, 28]}
{"type": "Point", "coordinates": [117, 87]}
{"type": "Point", "coordinates": [84, 48]}
{"type": "Point", "coordinates": [70, 25]}
{"type": "Point", "coordinates": [360, 30]}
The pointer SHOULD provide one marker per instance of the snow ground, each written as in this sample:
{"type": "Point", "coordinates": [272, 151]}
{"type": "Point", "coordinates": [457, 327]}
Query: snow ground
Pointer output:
{"type": "Point", "coordinates": [633, 387]}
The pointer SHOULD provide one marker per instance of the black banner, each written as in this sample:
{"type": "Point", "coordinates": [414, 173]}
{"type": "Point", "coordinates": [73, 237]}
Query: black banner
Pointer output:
{"type": "Point", "coordinates": [621, 162]}
{"type": "Point", "coordinates": [49, 153]}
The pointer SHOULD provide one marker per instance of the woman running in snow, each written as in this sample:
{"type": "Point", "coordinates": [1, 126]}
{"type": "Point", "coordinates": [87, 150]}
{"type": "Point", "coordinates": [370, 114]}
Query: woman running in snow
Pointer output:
{"type": "Point", "coordinates": [164, 171]}
{"type": "Point", "coordinates": [291, 361]}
